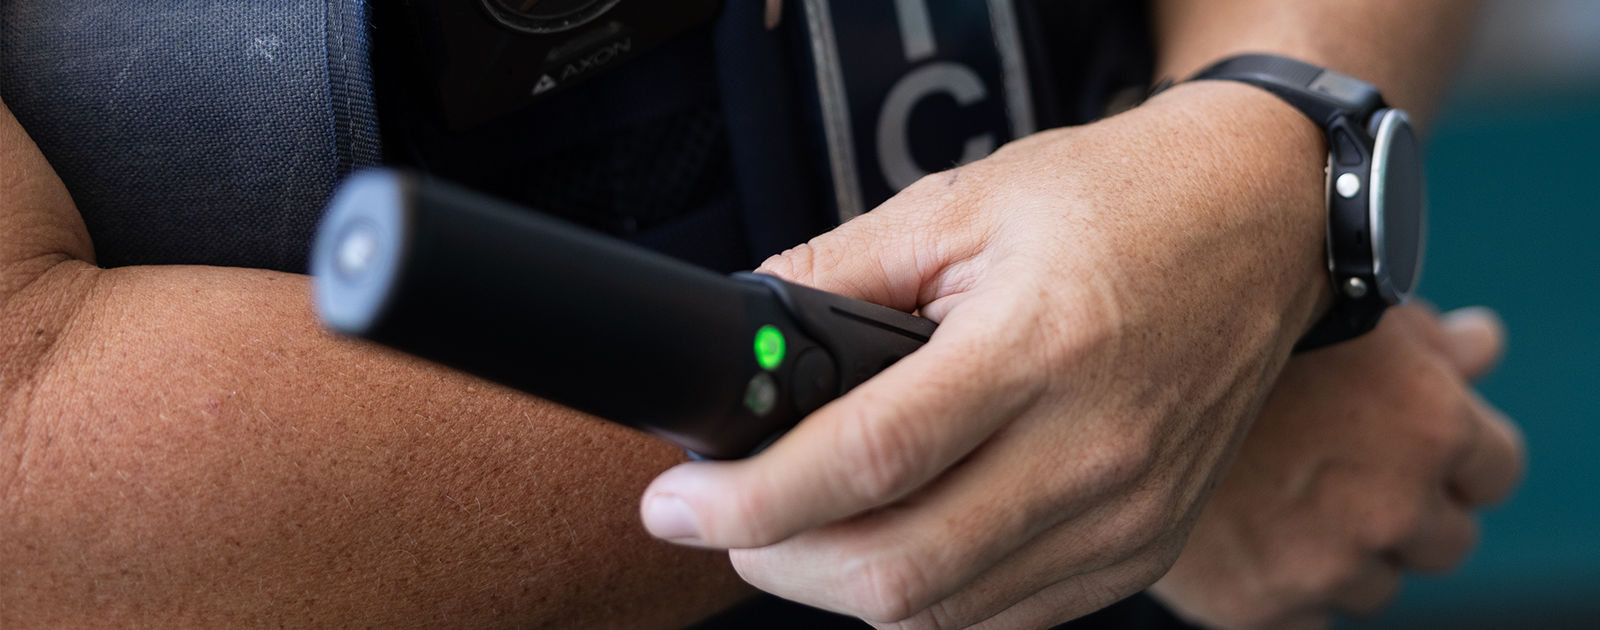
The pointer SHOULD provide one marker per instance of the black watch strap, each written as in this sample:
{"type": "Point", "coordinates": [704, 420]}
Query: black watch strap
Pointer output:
{"type": "Point", "coordinates": [1343, 107]}
{"type": "Point", "coordinates": [1322, 95]}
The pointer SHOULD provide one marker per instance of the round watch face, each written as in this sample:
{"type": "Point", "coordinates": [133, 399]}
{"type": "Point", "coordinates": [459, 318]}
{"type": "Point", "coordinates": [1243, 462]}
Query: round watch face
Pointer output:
{"type": "Point", "coordinates": [1398, 207]}
{"type": "Point", "coordinates": [546, 16]}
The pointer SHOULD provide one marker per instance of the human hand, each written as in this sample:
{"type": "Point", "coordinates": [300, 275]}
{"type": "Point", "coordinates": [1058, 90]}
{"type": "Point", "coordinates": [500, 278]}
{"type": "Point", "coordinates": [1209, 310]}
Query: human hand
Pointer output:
{"type": "Point", "coordinates": [1367, 459]}
{"type": "Point", "coordinates": [1115, 302]}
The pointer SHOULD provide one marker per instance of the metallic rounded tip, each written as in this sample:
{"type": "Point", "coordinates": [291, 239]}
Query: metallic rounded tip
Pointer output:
{"type": "Point", "coordinates": [358, 248]}
{"type": "Point", "coordinates": [1355, 288]}
{"type": "Point", "coordinates": [1348, 185]}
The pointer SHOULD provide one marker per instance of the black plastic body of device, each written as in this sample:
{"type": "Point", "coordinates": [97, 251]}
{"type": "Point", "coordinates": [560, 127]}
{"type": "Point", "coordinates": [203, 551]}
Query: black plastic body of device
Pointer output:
{"type": "Point", "coordinates": [720, 365]}
{"type": "Point", "coordinates": [481, 59]}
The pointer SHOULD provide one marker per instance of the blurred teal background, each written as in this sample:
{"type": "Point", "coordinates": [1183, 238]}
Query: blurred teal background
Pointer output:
{"type": "Point", "coordinates": [1514, 184]}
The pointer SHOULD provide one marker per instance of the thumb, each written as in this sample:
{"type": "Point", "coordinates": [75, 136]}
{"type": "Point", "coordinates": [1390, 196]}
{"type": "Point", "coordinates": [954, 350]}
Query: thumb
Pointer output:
{"type": "Point", "coordinates": [1476, 339]}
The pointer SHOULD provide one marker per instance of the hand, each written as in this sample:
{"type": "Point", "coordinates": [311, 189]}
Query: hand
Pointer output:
{"type": "Point", "coordinates": [1367, 459]}
{"type": "Point", "coordinates": [1115, 302]}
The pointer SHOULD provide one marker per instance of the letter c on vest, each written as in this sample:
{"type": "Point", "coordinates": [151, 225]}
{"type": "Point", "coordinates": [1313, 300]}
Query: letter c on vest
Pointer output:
{"type": "Point", "coordinates": [894, 149]}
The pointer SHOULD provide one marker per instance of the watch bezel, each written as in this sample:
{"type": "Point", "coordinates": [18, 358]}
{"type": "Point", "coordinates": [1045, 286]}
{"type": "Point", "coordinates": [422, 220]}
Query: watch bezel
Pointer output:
{"type": "Point", "coordinates": [1327, 222]}
{"type": "Point", "coordinates": [1377, 215]}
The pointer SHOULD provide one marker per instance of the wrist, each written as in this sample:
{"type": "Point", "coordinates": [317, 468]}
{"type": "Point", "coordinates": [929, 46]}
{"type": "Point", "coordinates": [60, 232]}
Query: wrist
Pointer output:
{"type": "Point", "coordinates": [1259, 164]}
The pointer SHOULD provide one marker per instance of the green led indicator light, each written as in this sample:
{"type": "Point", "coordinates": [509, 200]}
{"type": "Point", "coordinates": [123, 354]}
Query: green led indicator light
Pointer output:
{"type": "Point", "coordinates": [770, 347]}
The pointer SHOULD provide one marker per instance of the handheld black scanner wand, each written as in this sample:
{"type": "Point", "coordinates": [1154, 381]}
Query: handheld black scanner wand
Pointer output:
{"type": "Point", "coordinates": [720, 365]}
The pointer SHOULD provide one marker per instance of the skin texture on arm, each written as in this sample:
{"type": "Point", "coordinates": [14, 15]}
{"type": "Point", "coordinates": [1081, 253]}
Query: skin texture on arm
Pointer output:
{"type": "Point", "coordinates": [1407, 48]}
{"type": "Point", "coordinates": [1115, 302]}
{"type": "Point", "coordinates": [185, 447]}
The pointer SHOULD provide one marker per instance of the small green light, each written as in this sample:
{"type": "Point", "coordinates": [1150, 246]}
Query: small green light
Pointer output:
{"type": "Point", "coordinates": [770, 347]}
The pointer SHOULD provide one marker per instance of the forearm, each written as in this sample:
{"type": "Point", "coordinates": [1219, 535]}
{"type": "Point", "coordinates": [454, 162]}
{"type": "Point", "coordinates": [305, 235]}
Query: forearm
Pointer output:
{"type": "Point", "coordinates": [195, 451]}
{"type": "Point", "coordinates": [185, 447]}
{"type": "Point", "coordinates": [1406, 48]}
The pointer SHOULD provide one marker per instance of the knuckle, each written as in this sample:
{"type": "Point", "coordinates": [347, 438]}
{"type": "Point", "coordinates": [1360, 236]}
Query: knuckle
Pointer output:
{"type": "Point", "coordinates": [797, 264]}
{"type": "Point", "coordinates": [1143, 523]}
{"type": "Point", "coordinates": [1444, 438]}
{"type": "Point", "coordinates": [1397, 524]}
{"type": "Point", "coordinates": [751, 510]}
{"type": "Point", "coordinates": [1440, 425]}
{"type": "Point", "coordinates": [1434, 388]}
{"type": "Point", "coordinates": [882, 456]}
{"type": "Point", "coordinates": [1120, 460]}
{"type": "Point", "coordinates": [1323, 577]}
{"type": "Point", "coordinates": [883, 591]}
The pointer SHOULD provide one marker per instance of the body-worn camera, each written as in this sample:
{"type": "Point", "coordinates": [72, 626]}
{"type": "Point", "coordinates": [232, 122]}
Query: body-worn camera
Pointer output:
{"type": "Point", "coordinates": [482, 59]}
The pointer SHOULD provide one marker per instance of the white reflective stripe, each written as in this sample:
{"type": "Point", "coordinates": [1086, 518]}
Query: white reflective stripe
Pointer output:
{"type": "Point", "coordinates": [1019, 95]}
{"type": "Point", "coordinates": [900, 169]}
{"type": "Point", "coordinates": [835, 110]}
{"type": "Point", "coordinates": [916, 29]}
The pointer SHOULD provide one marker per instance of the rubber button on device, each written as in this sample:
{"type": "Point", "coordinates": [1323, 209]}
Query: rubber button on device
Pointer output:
{"type": "Point", "coordinates": [816, 380]}
{"type": "Point", "coordinates": [1348, 185]}
{"type": "Point", "coordinates": [1345, 148]}
{"type": "Point", "coordinates": [761, 395]}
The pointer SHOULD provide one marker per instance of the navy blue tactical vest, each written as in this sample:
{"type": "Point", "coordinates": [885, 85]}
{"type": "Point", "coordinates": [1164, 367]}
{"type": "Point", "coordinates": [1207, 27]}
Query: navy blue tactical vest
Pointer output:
{"type": "Point", "coordinates": [196, 132]}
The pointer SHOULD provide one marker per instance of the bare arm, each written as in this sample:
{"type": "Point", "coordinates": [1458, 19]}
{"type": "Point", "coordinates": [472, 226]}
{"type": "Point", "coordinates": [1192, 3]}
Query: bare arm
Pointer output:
{"type": "Point", "coordinates": [1408, 49]}
{"type": "Point", "coordinates": [184, 447]}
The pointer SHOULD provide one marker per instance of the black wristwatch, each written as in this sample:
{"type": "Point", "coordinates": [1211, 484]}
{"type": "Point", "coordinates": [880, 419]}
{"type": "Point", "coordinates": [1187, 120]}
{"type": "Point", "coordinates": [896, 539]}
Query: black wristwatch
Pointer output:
{"type": "Point", "coordinates": [1377, 209]}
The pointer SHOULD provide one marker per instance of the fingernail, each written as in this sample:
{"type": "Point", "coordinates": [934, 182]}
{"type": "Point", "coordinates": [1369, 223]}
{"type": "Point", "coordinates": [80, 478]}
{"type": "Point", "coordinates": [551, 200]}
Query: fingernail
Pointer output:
{"type": "Point", "coordinates": [668, 517]}
{"type": "Point", "coordinates": [1475, 322]}
{"type": "Point", "coordinates": [1472, 314]}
